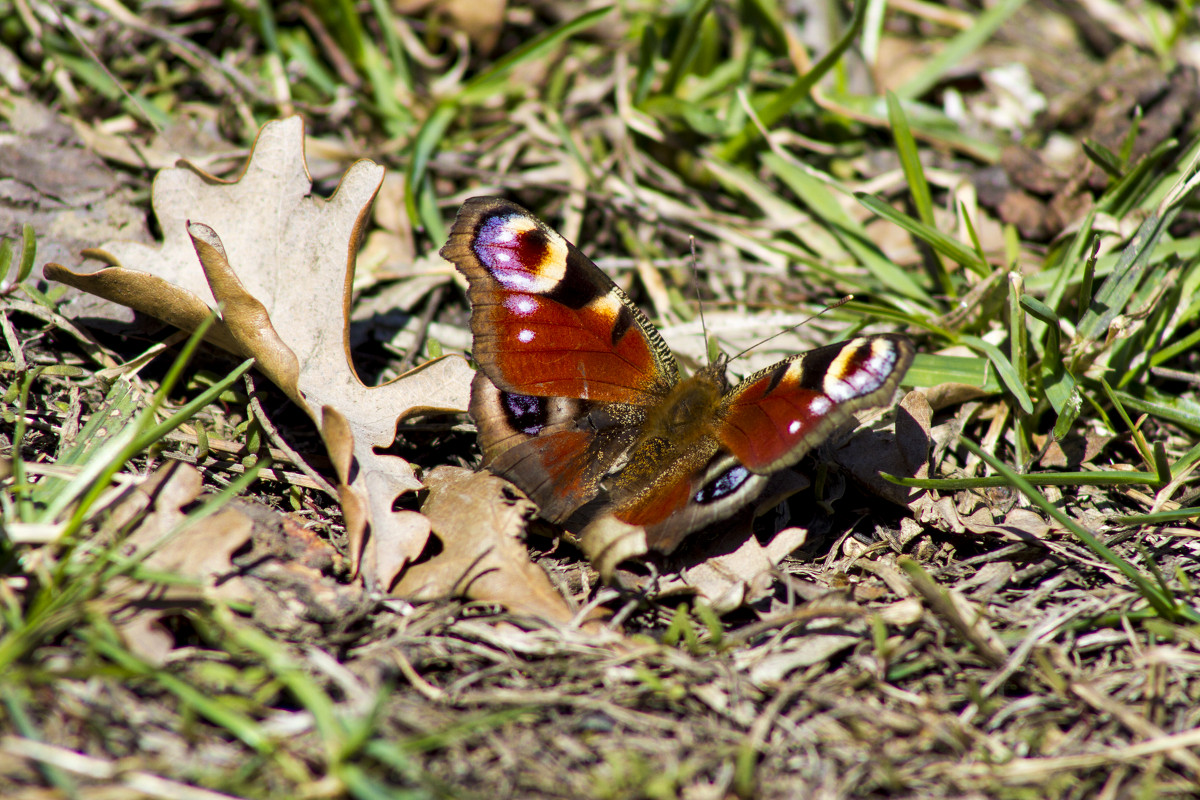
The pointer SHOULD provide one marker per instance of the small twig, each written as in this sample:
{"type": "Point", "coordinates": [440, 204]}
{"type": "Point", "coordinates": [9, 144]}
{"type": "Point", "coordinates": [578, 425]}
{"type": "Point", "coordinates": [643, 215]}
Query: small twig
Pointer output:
{"type": "Point", "coordinates": [1175, 375]}
{"type": "Point", "coordinates": [422, 331]}
{"type": "Point", "coordinates": [90, 346]}
{"type": "Point", "coordinates": [212, 468]}
{"type": "Point", "coordinates": [186, 49]}
{"type": "Point", "coordinates": [272, 432]}
{"type": "Point", "coordinates": [424, 687]}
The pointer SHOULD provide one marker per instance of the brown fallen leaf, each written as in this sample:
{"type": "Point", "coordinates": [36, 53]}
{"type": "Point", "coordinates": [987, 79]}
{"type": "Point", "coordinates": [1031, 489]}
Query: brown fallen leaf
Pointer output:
{"type": "Point", "coordinates": [281, 263]}
{"type": "Point", "coordinates": [286, 575]}
{"type": "Point", "coordinates": [822, 640]}
{"type": "Point", "coordinates": [730, 581]}
{"type": "Point", "coordinates": [1074, 450]}
{"type": "Point", "coordinates": [202, 552]}
{"type": "Point", "coordinates": [480, 521]}
{"type": "Point", "coordinates": [901, 450]}
{"type": "Point", "coordinates": [56, 183]}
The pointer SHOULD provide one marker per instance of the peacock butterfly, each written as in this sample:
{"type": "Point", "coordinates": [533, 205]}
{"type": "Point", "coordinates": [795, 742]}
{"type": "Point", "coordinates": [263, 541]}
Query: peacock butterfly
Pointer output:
{"type": "Point", "coordinates": [579, 402]}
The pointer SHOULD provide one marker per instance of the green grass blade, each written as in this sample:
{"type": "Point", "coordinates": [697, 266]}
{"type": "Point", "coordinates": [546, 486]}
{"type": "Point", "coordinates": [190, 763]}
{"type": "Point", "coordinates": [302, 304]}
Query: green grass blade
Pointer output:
{"type": "Point", "coordinates": [687, 44]}
{"type": "Point", "coordinates": [817, 195]}
{"type": "Point", "coordinates": [647, 54]}
{"type": "Point", "coordinates": [770, 115]}
{"type": "Point", "coordinates": [24, 725]}
{"type": "Point", "coordinates": [28, 253]}
{"type": "Point", "coordinates": [1171, 408]}
{"type": "Point", "coordinates": [400, 72]}
{"type": "Point", "coordinates": [1004, 369]}
{"type": "Point", "coordinates": [1122, 478]}
{"type": "Point", "coordinates": [238, 724]}
{"type": "Point", "coordinates": [951, 248]}
{"type": "Point", "coordinates": [935, 370]}
{"type": "Point", "coordinates": [1158, 518]}
{"type": "Point", "coordinates": [427, 141]}
{"type": "Point", "coordinates": [1104, 158]}
{"type": "Point", "coordinates": [918, 186]}
{"type": "Point", "coordinates": [959, 48]}
{"type": "Point", "coordinates": [1162, 604]}
{"type": "Point", "coordinates": [495, 78]}
{"type": "Point", "coordinates": [1119, 286]}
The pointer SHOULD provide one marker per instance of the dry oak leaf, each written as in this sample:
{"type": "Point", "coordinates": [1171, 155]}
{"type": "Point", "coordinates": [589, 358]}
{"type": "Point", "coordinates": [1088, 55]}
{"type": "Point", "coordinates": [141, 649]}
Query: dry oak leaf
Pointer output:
{"type": "Point", "coordinates": [280, 262]}
{"type": "Point", "coordinates": [729, 581]}
{"type": "Point", "coordinates": [480, 521]}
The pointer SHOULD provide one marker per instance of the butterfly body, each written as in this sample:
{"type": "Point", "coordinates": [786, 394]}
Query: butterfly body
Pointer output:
{"type": "Point", "coordinates": [579, 401]}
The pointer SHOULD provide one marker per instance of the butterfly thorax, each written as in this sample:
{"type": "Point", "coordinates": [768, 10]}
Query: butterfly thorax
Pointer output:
{"type": "Point", "coordinates": [679, 433]}
{"type": "Point", "coordinates": [689, 409]}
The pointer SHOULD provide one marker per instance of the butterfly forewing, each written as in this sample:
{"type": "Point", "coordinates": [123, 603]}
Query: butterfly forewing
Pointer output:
{"type": "Point", "coordinates": [772, 418]}
{"type": "Point", "coordinates": [547, 321]}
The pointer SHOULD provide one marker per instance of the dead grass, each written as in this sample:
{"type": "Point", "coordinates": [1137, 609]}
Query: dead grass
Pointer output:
{"type": "Point", "coordinates": [967, 645]}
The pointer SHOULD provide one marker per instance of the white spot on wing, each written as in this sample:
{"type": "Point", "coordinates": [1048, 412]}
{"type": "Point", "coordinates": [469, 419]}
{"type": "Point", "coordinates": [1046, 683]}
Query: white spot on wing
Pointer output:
{"type": "Point", "coordinates": [525, 336]}
{"type": "Point", "coordinates": [521, 305]}
{"type": "Point", "coordinates": [819, 406]}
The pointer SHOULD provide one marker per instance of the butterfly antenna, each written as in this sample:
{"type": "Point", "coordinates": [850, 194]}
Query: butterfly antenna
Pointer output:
{"type": "Point", "coordinates": [699, 302]}
{"type": "Point", "coordinates": [804, 321]}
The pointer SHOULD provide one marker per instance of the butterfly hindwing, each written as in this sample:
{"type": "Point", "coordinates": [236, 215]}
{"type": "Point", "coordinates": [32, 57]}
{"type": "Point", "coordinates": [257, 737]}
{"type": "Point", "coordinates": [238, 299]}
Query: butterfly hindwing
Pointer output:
{"type": "Point", "coordinates": [555, 449]}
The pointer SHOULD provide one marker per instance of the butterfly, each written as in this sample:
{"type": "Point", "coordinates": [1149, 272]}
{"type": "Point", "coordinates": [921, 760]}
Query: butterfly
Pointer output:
{"type": "Point", "coordinates": [579, 401]}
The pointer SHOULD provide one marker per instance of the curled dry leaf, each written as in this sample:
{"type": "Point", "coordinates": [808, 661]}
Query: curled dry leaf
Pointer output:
{"type": "Point", "coordinates": [281, 262]}
{"type": "Point", "coordinates": [823, 639]}
{"type": "Point", "coordinates": [481, 522]}
{"type": "Point", "coordinates": [901, 450]}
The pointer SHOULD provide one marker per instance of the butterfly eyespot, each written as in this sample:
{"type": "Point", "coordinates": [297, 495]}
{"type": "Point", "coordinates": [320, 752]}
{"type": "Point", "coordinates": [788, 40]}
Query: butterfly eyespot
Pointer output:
{"type": "Point", "coordinates": [859, 371]}
{"type": "Point", "coordinates": [526, 414]}
{"type": "Point", "coordinates": [517, 253]}
{"type": "Point", "coordinates": [723, 485]}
